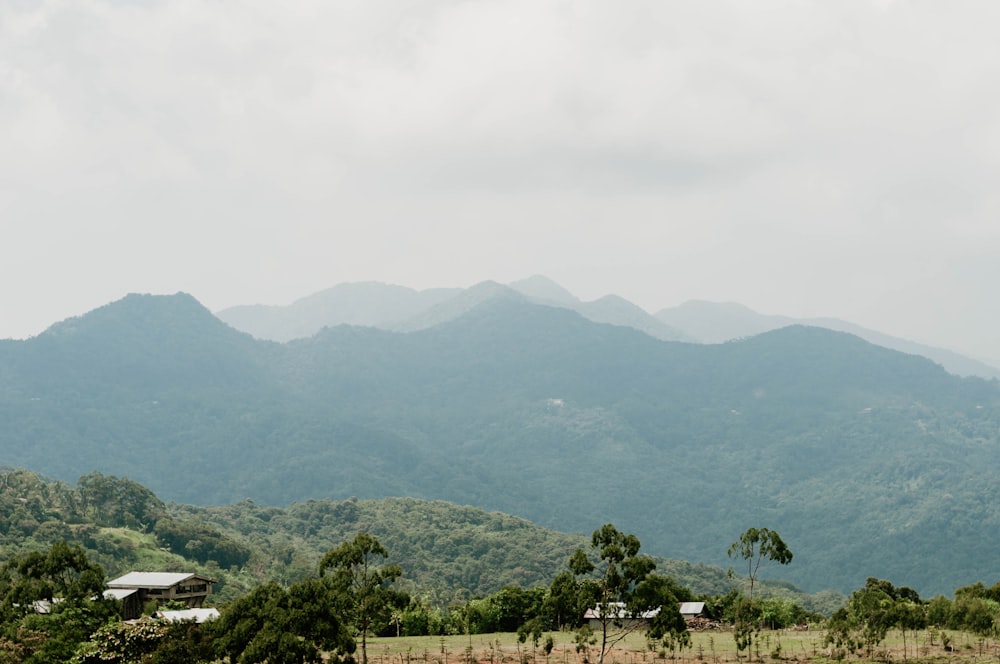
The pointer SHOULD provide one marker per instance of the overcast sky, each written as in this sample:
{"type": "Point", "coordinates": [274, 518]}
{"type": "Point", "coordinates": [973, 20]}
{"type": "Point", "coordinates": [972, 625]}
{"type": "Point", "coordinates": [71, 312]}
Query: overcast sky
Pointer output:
{"type": "Point", "coordinates": [809, 158]}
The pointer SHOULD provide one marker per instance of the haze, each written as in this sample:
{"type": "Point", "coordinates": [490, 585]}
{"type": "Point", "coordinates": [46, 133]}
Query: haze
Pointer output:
{"type": "Point", "coordinates": [802, 158]}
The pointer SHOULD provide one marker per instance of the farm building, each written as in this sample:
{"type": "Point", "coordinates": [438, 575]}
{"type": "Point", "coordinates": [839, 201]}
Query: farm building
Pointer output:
{"type": "Point", "coordinates": [136, 588]}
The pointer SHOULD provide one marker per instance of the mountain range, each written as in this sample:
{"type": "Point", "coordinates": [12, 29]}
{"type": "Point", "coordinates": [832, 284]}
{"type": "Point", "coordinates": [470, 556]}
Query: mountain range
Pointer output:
{"type": "Point", "coordinates": [398, 308]}
{"type": "Point", "coordinates": [868, 461]}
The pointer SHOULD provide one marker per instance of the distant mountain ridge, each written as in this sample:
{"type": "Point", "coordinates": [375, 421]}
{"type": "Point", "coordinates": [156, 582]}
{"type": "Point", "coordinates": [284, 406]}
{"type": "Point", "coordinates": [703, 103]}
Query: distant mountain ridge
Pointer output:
{"type": "Point", "coordinates": [868, 461]}
{"type": "Point", "coordinates": [370, 303]}
{"type": "Point", "coordinates": [402, 309]}
{"type": "Point", "coordinates": [712, 322]}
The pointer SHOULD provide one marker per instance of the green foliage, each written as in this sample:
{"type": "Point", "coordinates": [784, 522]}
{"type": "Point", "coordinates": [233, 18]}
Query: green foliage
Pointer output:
{"type": "Point", "coordinates": [622, 589]}
{"type": "Point", "coordinates": [757, 545]}
{"type": "Point", "coordinates": [147, 641]}
{"type": "Point", "coordinates": [874, 609]}
{"type": "Point", "coordinates": [50, 603]}
{"type": "Point", "coordinates": [114, 501]}
{"type": "Point", "coordinates": [362, 583]}
{"type": "Point", "coordinates": [450, 552]}
{"type": "Point", "coordinates": [199, 541]}
{"type": "Point", "coordinates": [279, 626]}
{"type": "Point", "coordinates": [754, 546]}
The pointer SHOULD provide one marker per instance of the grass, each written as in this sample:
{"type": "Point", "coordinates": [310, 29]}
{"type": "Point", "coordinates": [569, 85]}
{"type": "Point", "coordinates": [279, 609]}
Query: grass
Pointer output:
{"type": "Point", "coordinates": [710, 647]}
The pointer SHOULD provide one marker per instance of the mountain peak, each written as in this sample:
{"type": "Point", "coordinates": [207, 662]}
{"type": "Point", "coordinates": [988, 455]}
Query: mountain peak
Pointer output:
{"type": "Point", "coordinates": [137, 311]}
{"type": "Point", "coordinates": [542, 288]}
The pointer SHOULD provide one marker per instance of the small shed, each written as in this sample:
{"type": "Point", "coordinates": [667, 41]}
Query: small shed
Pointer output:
{"type": "Point", "coordinates": [690, 610]}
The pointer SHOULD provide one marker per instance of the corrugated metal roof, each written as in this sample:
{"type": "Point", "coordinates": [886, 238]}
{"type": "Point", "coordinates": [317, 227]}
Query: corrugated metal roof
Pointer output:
{"type": "Point", "coordinates": [197, 615]}
{"type": "Point", "coordinates": [150, 579]}
{"type": "Point", "coordinates": [119, 593]}
{"type": "Point", "coordinates": [619, 612]}
{"type": "Point", "coordinates": [692, 608]}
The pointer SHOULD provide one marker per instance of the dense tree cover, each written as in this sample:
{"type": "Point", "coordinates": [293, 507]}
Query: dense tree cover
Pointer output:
{"type": "Point", "coordinates": [283, 626]}
{"type": "Point", "coordinates": [147, 641]}
{"type": "Point", "coordinates": [486, 409]}
{"type": "Point", "coordinates": [118, 523]}
{"type": "Point", "coordinates": [199, 541]}
{"type": "Point", "coordinates": [49, 603]}
{"type": "Point", "coordinates": [118, 501]}
{"type": "Point", "coordinates": [450, 553]}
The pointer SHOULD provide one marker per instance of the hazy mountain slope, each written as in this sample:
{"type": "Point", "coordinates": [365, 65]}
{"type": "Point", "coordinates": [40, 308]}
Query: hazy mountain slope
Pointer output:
{"type": "Point", "coordinates": [405, 310]}
{"type": "Point", "coordinates": [619, 311]}
{"type": "Point", "coordinates": [711, 322]}
{"type": "Point", "coordinates": [365, 303]}
{"type": "Point", "coordinates": [456, 306]}
{"type": "Point", "coordinates": [870, 462]}
{"type": "Point", "coordinates": [610, 309]}
{"type": "Point", "coordinates": [543, 290]}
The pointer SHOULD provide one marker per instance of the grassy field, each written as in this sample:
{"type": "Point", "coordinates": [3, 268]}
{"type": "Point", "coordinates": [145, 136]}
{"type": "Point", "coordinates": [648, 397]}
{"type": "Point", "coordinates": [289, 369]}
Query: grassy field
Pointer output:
{"type": "Point", "coordinates": [710, 647]}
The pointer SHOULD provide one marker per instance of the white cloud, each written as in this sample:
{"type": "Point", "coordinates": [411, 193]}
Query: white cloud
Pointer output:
{"type": "Point", "coordinates": [799, 156]}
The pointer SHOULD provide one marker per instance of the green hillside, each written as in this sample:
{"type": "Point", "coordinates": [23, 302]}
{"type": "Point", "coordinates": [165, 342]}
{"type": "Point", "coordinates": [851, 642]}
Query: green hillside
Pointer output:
{"type": "Point", "coordinates": [855, 453]}
{"type": "Point", "coordinates": [449, 553]}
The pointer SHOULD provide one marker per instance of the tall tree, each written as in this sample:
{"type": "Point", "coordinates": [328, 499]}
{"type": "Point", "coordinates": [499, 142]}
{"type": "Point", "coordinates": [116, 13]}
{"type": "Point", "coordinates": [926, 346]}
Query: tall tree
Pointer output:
{"type": "Point", "coordinates": [360, 575]}
{"type": "Point", "coordinates": [757, 545]}
{"type": "Point", "coordinates": [622, 590]}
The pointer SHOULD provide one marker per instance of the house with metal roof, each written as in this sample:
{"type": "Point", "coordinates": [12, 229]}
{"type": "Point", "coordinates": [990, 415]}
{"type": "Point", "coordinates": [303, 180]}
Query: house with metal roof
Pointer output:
{"type": "Point", "coordinates": [136, 588]}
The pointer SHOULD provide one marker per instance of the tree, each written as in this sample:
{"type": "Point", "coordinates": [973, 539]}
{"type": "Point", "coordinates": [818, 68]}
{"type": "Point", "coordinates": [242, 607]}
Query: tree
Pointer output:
{"type": "Point", "coordinates": [115, 501]}
{"type": "Point", "coordinates": [146, 640]}
{"type": "Point", "coordinates": [562, 607]}
{"type": "Point", "coordinates": [51, 602]}
{"type": "Point", "coordinates": [872, 610]}
{"type": "Point", "coordinates": [909, 616]}
{"type": "Point", "coordinates": [363, 582]}
{"type": "Point", "coordinates": [625, 594]}
{"type": "Point", "coordinates": [281, 626]}
{"type": "Point", "coordinates": [757, 545]}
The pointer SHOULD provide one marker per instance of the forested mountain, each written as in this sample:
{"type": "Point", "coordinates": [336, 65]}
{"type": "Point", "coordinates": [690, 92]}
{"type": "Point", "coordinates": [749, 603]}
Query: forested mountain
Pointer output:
{"type": "Point", "coordinates": [855, 453]}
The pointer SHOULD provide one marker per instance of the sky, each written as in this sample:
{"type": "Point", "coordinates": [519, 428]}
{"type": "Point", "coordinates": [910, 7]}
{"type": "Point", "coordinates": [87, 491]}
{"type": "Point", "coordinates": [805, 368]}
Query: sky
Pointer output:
{"type": "Point", "coordinates": [805, 158]}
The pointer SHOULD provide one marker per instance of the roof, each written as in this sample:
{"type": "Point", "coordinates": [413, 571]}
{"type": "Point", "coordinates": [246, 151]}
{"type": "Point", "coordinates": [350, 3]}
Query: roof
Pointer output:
{"type": "Point", "coordinates": [153, 579]}
{"type": "Point", "coordinates": [619, 612]}
{"type": "Point", "coordinates": [197, 615]}
{"type": "Point", "coordinates": [119, 593]}
{"type": "Point", "coordinates": [692, 608]}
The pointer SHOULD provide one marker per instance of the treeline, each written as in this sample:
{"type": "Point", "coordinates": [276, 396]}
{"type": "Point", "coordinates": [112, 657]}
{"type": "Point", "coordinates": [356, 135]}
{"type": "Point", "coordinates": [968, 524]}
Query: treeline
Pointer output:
{"type": "Point", "coordinates": [52, 608]}
{"type": "Point", "coordinates": [862, 624]}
